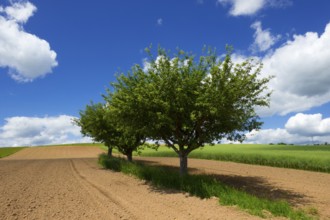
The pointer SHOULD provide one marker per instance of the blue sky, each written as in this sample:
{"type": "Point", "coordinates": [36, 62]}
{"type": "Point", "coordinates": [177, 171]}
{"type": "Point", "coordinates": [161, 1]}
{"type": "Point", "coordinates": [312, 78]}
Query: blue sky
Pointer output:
{"type": "Point", "coordinates": [57, 56]}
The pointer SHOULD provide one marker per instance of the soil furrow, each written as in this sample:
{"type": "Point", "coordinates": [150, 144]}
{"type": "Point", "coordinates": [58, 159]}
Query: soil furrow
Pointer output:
{"type": "Point", "coordinates": [66, 183]}
{"type": "Point", "coordinates": [96, 192]}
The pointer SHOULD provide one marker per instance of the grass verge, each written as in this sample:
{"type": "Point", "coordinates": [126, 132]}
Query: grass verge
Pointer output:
{"type": "Point", "coordinates": [6, 151]}
{"type": "Point", "coordinates": [313, 158]}
{"type": "Point", "coordinates": [203, 186]}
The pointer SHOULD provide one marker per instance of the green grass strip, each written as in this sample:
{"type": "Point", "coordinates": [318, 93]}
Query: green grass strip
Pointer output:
{"type": "Point", "coordinates": [202, 186]}
{"type": "Point", "coordinates": [6, 151]}
{"type": "Point", "coordinates": [283, 161]}
{"type": "Point", "coordinates": [313, 158]}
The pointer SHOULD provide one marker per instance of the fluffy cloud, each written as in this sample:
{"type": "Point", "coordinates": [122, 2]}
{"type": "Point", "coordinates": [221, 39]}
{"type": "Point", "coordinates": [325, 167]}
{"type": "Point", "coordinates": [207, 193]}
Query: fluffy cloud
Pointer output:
{"type": "Point", "coordinates": [302, 73]}
{"type": "Point", "coordinates": [308, 125]}
{"type": "Point", "coordinates": [243, 7]}
{"type": "Point", "coordinates": [26, 131]}
{"type": "Point", "coordinates": [266, 136]}
{"type": "Point", "coordinates": [20, 12]}
{"type": "Point", "coordinates": [278, 135]}
{"type": "Point", "coordinates": [251, 7]}
{"type": "Point", "coordinates": [299, 129]}
{"type": "Point", "coordinates": [27, 56]}
{"type": "Point", "coordinates": [263, 39]}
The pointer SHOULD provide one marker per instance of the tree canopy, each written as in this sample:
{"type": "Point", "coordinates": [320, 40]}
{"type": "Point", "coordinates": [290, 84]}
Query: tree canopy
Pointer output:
{"type": "Point", "coordinates": [188, 102]}
{"type": "Point", "coordinates": [96, 121]}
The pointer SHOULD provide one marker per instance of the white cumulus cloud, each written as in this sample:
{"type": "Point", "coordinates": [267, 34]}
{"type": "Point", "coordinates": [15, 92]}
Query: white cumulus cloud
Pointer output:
{"type": "Point", "coordinates": [243, 7]}
{"type": "Point", "coordinates": [251, 7]}
{"type": "Point", "coordinates": [308, 125]}
{"type": "Point", "coordinates": [278, 135]}
{"type": "Point", "coordinates": [299, 129]}
{"type": "Point", "coordinates": [263, 39]}
{"type": "Point", "coordinates": [275, 136]}
{"type": "Point", "coordinates": [30, 131]}
{"type": "Point", "coordinates": [25, 55]}
{"type": "Point", "coordinates": [20, 11]}
{"type": "Point", "coordinates": [302, 73]}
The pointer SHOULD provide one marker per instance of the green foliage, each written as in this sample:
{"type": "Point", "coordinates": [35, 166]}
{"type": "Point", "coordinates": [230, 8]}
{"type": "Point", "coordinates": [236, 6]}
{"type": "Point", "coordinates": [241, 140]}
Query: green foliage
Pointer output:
{"type": "Point", "coordinates": [95, 123]}
{"type": "Point", "coordinates": [6, 151]}
{"type": "Point", "coordinates": [314, 158]}
{"type": "Point", "coordinates": [99, 123]}
{"type": "Point", "coordinates": [202, 186]}
{"type": "Point", "coordinates": [188, 102]}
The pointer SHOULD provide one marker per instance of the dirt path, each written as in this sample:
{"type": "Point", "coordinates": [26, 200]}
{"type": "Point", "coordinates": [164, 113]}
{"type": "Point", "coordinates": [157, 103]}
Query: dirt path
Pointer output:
{"type": "Point", "coordinates": [66, 183]}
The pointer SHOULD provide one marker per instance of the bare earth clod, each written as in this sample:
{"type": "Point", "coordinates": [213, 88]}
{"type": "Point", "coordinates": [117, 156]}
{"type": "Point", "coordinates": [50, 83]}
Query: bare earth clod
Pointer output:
{"type": "Point", "coordinates": [67, 183]}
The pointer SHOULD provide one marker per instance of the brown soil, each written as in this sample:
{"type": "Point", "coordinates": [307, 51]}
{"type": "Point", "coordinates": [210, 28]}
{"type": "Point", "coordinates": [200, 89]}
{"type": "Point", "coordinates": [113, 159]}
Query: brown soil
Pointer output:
{"type": "Point", "coordinates": [303, 189]}
{"type": "Point", "coordinates": [67, 183]}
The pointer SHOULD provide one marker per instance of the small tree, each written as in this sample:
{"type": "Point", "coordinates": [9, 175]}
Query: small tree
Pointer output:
{"type": "Point", "coordinates": [94, 123]}
{"type": "Point", "coordinates": [127, 142]}
{"type": "Point", "coordinates": [188, 103]}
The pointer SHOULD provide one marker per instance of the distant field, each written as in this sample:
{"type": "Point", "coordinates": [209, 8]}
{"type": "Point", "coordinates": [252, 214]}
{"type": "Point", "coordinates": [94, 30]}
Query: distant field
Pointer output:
{"type": "Point", "coordinates": [315, 158]}
{"type": "Point", "coordinates": [77, 144]}
{"type": "Point", "coordinates": [6, 151]}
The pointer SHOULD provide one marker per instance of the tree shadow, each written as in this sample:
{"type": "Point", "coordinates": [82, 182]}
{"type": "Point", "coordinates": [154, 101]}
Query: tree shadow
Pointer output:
{"type": "Point", "coordinates": [254, 185]}
{"type": "Point", "coordinates": [170, 167]}
{"type": "Point", "coordinates": [261, 188]}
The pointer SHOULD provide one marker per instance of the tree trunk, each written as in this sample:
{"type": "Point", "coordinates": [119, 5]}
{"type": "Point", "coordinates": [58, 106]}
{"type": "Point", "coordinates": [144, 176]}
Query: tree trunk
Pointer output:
{"type": "Point", "coordinates": [109, 151]}
{"type": "Point", "coordinates": [129, 156]}
{"type": "Point", "coordinates": [183, 164]}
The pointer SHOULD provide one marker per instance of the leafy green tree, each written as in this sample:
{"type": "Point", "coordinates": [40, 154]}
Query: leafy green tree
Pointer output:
{"type": "Point", "coordinates": [127, 142]}
{"type": "Point", "coordinates": [188, 102]}
{"type": "Point", "coordinates": [94, 123]}
{"type": "Point", "coordinates": [97, 122]}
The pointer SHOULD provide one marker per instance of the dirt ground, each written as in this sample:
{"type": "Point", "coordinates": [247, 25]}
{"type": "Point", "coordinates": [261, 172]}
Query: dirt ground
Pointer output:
{"type": "Point", "coordinates": [67, 183]}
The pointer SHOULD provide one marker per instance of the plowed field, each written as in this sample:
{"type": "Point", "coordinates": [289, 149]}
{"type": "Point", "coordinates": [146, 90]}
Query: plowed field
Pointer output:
{"type": "Point", "coordinates": [67, 183]}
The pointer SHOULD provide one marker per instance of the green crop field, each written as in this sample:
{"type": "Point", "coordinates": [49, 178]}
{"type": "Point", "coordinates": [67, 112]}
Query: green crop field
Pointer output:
{"type": "Point", "coordinates": [6, 151]}
{"type": "Point", "coordinates": [315, 158]}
